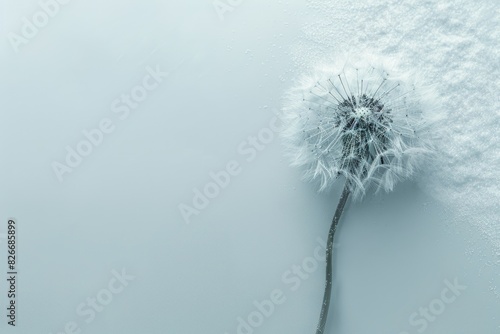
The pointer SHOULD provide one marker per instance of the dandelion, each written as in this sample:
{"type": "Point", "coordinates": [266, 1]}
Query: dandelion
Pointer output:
{"type": "Point", "coordinates": [363, 120]}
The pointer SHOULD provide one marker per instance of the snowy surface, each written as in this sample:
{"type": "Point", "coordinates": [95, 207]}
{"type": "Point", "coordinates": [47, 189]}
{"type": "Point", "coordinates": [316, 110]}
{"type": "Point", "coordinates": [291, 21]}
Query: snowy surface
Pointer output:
{"type": "Point", "coordinates": [119, 209]}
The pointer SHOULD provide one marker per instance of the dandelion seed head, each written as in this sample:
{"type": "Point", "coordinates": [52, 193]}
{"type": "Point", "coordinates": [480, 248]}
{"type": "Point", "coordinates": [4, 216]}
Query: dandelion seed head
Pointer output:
{"type": "Point", "coordinates": [364, 120]}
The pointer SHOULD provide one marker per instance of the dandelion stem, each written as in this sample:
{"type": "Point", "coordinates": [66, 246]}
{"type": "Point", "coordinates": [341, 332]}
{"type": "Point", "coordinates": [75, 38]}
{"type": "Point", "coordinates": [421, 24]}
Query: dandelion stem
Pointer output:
{"type": "Point", "coordinates": [329, 250]}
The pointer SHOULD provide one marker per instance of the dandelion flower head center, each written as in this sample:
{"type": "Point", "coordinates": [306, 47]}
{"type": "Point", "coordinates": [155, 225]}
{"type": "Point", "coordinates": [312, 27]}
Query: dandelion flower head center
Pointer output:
{"type": "Point", "coordinates": [359, 112]}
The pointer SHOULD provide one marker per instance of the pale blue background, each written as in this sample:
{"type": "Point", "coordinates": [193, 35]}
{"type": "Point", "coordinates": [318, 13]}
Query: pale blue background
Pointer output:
{"type": "Point", "coordinates": [119, 209]}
